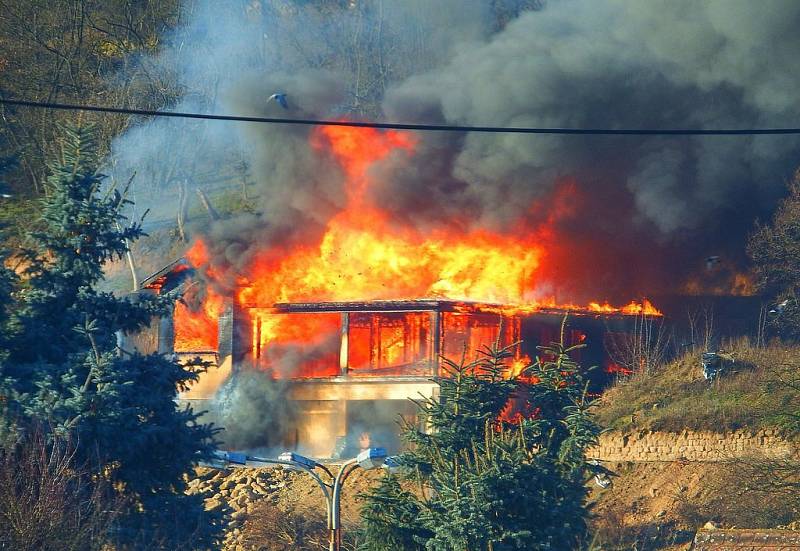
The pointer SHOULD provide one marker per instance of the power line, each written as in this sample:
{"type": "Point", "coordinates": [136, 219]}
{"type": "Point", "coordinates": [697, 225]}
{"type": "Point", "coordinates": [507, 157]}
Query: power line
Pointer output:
{"type": "Point", "coordinates": [420, 127]}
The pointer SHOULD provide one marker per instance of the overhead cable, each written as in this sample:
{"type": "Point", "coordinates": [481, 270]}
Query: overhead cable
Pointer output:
{"type": "Point", "coordinates": [411, 126]}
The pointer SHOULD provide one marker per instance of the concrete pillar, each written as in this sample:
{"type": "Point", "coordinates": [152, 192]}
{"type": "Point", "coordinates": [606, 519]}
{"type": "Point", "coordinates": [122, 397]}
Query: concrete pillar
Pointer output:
{"type": "Point", "coordinates": [236, 336]}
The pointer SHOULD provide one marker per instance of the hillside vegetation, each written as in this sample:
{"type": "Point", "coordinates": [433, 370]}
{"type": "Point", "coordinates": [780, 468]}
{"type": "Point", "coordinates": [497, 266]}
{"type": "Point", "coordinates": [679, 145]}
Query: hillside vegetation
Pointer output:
{"type": "Point", "coordinates": [761, 390]}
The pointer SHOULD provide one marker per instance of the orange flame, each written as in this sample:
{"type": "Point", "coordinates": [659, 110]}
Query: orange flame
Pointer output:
{"type": "Point", "coordinates": [364, 255]}
{"type": "Point", "coordinates": [196, 326]}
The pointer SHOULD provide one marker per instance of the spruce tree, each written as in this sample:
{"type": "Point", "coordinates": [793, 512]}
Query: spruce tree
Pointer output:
{"type": "Point", "coordinates": [68, 373]}
{"type": "Point", "coordinates": [7, 387]}
{"type": "Point", "coordinates": [8, 280]}
{"type": "Point", "coordinates": [479, 478]}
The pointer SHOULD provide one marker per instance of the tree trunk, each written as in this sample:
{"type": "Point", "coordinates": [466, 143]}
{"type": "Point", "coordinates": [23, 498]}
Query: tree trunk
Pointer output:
{"type": "Point", "coordinates": [183, 209]}
{"type": "Point", "coordinates": [212, 213]}
{"type": "Point", "coordinates": [131, 263]}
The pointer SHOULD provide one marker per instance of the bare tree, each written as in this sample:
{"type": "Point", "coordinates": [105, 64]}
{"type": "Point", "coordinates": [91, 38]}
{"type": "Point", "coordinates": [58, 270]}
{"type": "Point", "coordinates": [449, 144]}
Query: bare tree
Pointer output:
{"type": "Point", "coordinates": [70, 51]}
{"type": "Point", "coordinates": [701, 328]}
{"type": "Point", "coordinates": [47, 502]}
{"type": "Point", "coordinates": [643, 349]}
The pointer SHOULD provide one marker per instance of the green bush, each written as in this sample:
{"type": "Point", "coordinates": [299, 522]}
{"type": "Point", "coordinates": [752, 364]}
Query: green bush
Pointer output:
{"type": "Point", "coordinates": [473, 479]}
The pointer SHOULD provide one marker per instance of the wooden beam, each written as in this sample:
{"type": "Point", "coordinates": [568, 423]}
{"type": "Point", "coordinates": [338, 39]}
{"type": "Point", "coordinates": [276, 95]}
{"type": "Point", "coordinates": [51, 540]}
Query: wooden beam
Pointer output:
{"type": "Point", "coordinates": [344, 344]}
{"type": "Point", "coordinates": [436, 341]}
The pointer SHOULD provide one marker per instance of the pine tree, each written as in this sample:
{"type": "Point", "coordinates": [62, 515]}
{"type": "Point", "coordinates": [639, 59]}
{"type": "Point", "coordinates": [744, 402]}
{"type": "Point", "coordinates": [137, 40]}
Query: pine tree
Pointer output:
{"type": "Point", "coordinates": [68, 373]}
{"type": "Point", "coordinates": [478, 478]}
{"type": "Point", "coordinates": [8, 280]}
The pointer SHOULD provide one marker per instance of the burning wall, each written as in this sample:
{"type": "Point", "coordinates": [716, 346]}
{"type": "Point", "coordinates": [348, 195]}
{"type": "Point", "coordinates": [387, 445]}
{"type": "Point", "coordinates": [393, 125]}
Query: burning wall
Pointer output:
{"type": "Point", "coordinates": [336, 360]}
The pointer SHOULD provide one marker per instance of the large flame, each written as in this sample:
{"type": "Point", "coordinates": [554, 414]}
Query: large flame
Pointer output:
{"type": "Point", "coordinates": [365, 255]}
{"type": "Point", "coordinates": [196, 324]}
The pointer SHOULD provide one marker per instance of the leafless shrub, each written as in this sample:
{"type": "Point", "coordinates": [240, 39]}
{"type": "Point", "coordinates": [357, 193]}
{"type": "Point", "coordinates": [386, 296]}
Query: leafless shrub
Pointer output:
{"type": "Point", "coordinates": [642, 350]}
{"type": "Point", "coordinates": [760, 340]}
{"type": "Point", "coordinates": [609, 529]}
{"type": "Point", "coordinates": [290, 527]}
{"type": "Point", "coordinates": [47, 502]}
{"type": "Point", "coordinates": [270, 528]}
{"type": "Point", "coordinates": [775, 476]}
{"type": "Point", "coordinates": [701, 329]}
{"type": "Point", "coordinates": [755, 491]}
{"type": "Point", "coordinates": [611, 533]}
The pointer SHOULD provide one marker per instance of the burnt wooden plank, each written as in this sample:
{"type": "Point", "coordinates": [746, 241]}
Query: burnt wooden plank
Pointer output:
{"type": "Point", "coordinates": [411, 305]}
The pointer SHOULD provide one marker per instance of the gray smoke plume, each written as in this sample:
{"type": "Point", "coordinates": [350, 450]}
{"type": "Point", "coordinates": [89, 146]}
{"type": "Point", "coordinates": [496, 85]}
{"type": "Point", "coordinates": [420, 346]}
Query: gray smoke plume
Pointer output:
{"type": "Point", "coordinates": [229, 57]}
{"type": "Point", "coordinates": [660, 205]}
{"type": "Point", "coordinates": [253, 407]}
{"type": "Point", "coordinates": [254, 411]}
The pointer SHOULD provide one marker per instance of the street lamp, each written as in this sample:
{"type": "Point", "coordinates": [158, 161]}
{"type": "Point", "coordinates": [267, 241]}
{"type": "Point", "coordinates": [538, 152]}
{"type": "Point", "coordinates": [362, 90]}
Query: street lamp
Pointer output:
{"type": "Point", "coordinates": [369, 459]}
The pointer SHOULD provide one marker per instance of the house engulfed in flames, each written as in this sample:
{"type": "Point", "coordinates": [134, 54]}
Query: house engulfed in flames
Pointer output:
{"type": "Point", "coordinates": [350, 367]}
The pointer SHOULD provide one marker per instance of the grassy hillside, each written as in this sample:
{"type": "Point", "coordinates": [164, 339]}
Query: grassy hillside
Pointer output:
{"type": "Point", "coordinates": [674, 397]}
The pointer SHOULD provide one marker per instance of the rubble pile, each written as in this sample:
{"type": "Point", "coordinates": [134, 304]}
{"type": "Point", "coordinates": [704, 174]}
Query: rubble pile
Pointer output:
{"type": "Point", "coordinates": [236, 492]}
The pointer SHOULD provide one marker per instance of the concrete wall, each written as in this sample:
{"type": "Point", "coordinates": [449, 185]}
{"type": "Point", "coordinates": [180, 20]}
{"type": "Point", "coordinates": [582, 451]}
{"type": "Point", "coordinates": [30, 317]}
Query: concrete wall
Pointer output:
{"type": "Point", "coordinates": [692, 446]}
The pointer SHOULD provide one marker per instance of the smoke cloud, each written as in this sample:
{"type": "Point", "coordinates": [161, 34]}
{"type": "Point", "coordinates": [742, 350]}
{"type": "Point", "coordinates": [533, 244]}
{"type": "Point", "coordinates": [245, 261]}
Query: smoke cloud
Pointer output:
{"type": "Point", "coordinates": [651, 208]}
{"type": "Point", "coordinates": [255, 412]}
{"type": "Point", "coordinates": [614, 64]}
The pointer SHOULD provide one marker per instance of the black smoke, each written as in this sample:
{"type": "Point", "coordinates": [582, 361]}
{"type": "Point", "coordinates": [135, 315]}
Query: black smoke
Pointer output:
{"type": "Point", "coordinates": [651, 209]}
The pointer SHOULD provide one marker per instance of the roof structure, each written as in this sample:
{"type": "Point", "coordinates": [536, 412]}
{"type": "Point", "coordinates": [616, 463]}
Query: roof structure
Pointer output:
{"type": "Point", "coordinates": [408, 305]}
{"type": "Point", "coordinates": [157, 280]}
{"type": "Point", "coordinates": [182, 267]}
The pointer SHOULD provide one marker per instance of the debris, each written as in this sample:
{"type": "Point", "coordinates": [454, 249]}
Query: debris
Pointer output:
{"type": "Point", "coordinates": [602, 480]}
{"type": "Point", "coordinates": [715, 363]}
{"type": "Point", "coordinates": [601, 477]}
{"type": "Point", "coordinates": [280, 99]}
{"type": "Point", "coordinates": [780, 307]}
{"type": "Point", "coordinates": [710, 526]}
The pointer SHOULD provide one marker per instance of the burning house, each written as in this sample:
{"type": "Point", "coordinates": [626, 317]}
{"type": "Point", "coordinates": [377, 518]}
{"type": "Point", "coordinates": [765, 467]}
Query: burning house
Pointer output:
{"type": "Point", "coordinates": [354, 308]}
{"type": "Point", "coordinates": [349, 368]}
{"type": "Point", "coordinates": [357, 257]}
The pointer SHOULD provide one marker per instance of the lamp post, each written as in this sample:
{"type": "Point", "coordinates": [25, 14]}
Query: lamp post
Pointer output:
{"type": "Point", "coordinates": [372, 458]}
{"type": "Point", "coordinates": [369, 459]}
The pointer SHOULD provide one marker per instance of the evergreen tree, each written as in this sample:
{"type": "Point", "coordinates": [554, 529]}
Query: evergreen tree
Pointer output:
{"type": "Point", "coordinates": [8, 280]}
{"type": "Point", "coordinates": [68, 373]}
{"type": "Point", "coordinates": [481, 478]}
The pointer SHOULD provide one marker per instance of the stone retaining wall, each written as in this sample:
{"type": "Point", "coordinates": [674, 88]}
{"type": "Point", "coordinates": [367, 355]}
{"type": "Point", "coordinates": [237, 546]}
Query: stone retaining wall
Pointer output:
{"type": "Point", "coordinates": [746, 540]}
{"type": "Point", "coordinates": [692, 446]}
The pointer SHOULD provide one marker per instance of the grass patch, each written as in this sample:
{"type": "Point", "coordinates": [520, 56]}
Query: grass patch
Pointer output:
{"type": "Point", "coordinates": [675, 396]}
